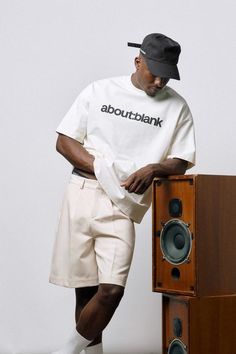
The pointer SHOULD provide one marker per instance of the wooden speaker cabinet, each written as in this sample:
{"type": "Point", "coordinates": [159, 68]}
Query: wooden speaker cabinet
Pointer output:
{"type": "Point", "coordinates": [193, 325]}
{"type": "Point", "coordinates": [194, 235]}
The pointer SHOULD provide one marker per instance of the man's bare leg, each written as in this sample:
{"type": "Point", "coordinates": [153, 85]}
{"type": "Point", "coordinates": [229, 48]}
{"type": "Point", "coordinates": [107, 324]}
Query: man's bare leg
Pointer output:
{"type": "Point", "coordinates": [97, 313]}
{"type": "Point", "coordinates": [93, 318]}
{"type": "Point", "coordinates": [83, 296]}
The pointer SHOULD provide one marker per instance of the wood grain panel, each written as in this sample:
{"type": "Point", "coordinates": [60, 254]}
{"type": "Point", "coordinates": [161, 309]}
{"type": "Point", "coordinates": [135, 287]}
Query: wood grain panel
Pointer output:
{"type": "Point", "coordinates": [208, 323]}
{"type": "Point", "coordinates": [209, 204]}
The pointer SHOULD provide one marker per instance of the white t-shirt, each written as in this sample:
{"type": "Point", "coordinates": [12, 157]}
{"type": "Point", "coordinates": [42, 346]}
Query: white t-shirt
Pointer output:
{"type": "Point", "coordinates": [125, 129]}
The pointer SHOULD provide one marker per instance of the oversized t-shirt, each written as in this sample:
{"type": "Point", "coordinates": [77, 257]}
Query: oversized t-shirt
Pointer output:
{"type": "Point", "coordinates": [125, 129]}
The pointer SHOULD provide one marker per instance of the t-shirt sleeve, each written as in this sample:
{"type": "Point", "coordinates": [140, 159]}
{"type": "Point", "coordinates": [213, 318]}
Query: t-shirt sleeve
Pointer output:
{"type": "Point", "coordinates": [183, 142]}
{"type": "Point", "coordinates": [74, 123]}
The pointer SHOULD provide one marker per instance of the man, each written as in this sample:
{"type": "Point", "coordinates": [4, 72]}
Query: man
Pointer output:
{"type": "Point", "coordinates": [119, 134]}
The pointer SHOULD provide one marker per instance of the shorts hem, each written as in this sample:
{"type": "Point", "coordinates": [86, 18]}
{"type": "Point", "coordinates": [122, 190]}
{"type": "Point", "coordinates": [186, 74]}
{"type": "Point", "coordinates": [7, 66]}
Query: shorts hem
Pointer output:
{"type": "Point", "coordinates": [113, 280]}
{"type": "Point", "coordinates": [88, 282]}
{"type": "Point", "coordinates": [74, 284]}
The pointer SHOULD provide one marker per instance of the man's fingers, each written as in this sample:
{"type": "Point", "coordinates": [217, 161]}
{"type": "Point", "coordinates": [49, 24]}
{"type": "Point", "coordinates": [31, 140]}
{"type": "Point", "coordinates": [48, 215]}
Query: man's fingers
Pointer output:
{"type": "Point", "coordinates": [133, 186]}
{"type": "Point", "coordinates": [137, 182]}
{"type": "Point", "coordinates": [127, 183]}
{"type": "Point", "coordinates": [140, 188]}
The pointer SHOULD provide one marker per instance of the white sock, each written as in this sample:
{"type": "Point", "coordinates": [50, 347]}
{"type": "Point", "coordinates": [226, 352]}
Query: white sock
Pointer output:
{"type": "Point", "coordinates": [94, 349]}
{"type": "Point", "coordinates": [74, 345]}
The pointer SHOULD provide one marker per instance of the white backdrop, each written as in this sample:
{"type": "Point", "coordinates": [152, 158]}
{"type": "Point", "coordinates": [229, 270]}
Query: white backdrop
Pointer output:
{"type": "Point", "coordinates": [51, 49]}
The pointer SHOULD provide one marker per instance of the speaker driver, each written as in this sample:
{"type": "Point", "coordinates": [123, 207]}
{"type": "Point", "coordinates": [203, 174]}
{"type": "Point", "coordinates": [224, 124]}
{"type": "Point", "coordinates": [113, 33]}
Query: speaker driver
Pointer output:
{"type": "Point", "coordinates": [177, 347]}
{"type": "Point", "coordinates": [175, 241]}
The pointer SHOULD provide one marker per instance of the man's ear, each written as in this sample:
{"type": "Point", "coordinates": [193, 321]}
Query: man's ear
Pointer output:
{"type": "Point", "coordinates": [137, 62]}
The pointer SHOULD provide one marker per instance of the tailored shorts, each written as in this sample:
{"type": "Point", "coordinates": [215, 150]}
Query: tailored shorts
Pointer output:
{"type": "Point", "coordinates": [94, 241]}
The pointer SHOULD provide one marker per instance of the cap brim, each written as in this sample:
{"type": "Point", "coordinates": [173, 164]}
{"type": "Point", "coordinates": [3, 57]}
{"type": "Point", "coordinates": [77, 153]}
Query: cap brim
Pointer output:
{"type": "Point", "coordinates": [163, 70]}
{"type": "Point", "coordinates": [134, 45]}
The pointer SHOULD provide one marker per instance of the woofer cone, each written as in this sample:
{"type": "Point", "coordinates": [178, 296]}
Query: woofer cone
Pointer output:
{"type": "Point", "coordinates": [175, 241]}
{"type": "Point", "coordinates": [177, 347]}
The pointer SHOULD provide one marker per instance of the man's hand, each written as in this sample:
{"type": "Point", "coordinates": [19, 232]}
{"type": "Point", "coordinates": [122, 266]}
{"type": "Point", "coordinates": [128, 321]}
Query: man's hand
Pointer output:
{"type": "Point", "coordinates": [139, 181]}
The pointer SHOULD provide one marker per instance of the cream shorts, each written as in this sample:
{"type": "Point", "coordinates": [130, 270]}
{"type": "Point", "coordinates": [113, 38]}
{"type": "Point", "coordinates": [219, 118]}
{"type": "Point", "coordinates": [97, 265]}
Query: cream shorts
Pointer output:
{"type": "Point", "coordinates": [94, 241]}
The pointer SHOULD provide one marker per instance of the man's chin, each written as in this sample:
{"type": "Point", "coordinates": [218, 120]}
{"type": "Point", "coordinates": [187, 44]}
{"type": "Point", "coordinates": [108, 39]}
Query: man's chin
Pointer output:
{"type": "Point", "coordinates": [152, 93]}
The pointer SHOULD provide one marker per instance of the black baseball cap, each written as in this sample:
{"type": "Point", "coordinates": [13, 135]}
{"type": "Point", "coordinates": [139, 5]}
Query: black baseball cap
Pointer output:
{"type": "Point", "coordinates": [161, 54]}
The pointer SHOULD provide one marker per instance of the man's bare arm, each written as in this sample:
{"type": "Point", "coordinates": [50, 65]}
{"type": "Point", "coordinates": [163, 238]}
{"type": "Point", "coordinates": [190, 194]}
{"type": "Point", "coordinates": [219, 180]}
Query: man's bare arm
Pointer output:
{"type": "Point", "coordinates": [75, 153]}
{"type": "Point", "coordinates": [140, 180]}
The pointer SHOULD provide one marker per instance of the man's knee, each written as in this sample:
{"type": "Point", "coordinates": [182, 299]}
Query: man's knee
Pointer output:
{"type": "Point", "coordinates": [110, 294]}
{"type": "Point", "coordinates": [84, 294]}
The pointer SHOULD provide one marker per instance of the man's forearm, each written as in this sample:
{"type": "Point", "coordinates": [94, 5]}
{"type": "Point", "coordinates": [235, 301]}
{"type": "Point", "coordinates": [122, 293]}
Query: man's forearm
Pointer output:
{"type": "Point", "coordinates": [169, 167]}
{"type": "Point", "coordinates": [75, 153]}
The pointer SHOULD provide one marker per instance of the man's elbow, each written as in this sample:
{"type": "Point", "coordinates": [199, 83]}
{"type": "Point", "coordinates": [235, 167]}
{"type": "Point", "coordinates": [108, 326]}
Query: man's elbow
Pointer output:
{"type": "Point", "coordinates": [59, 144]}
